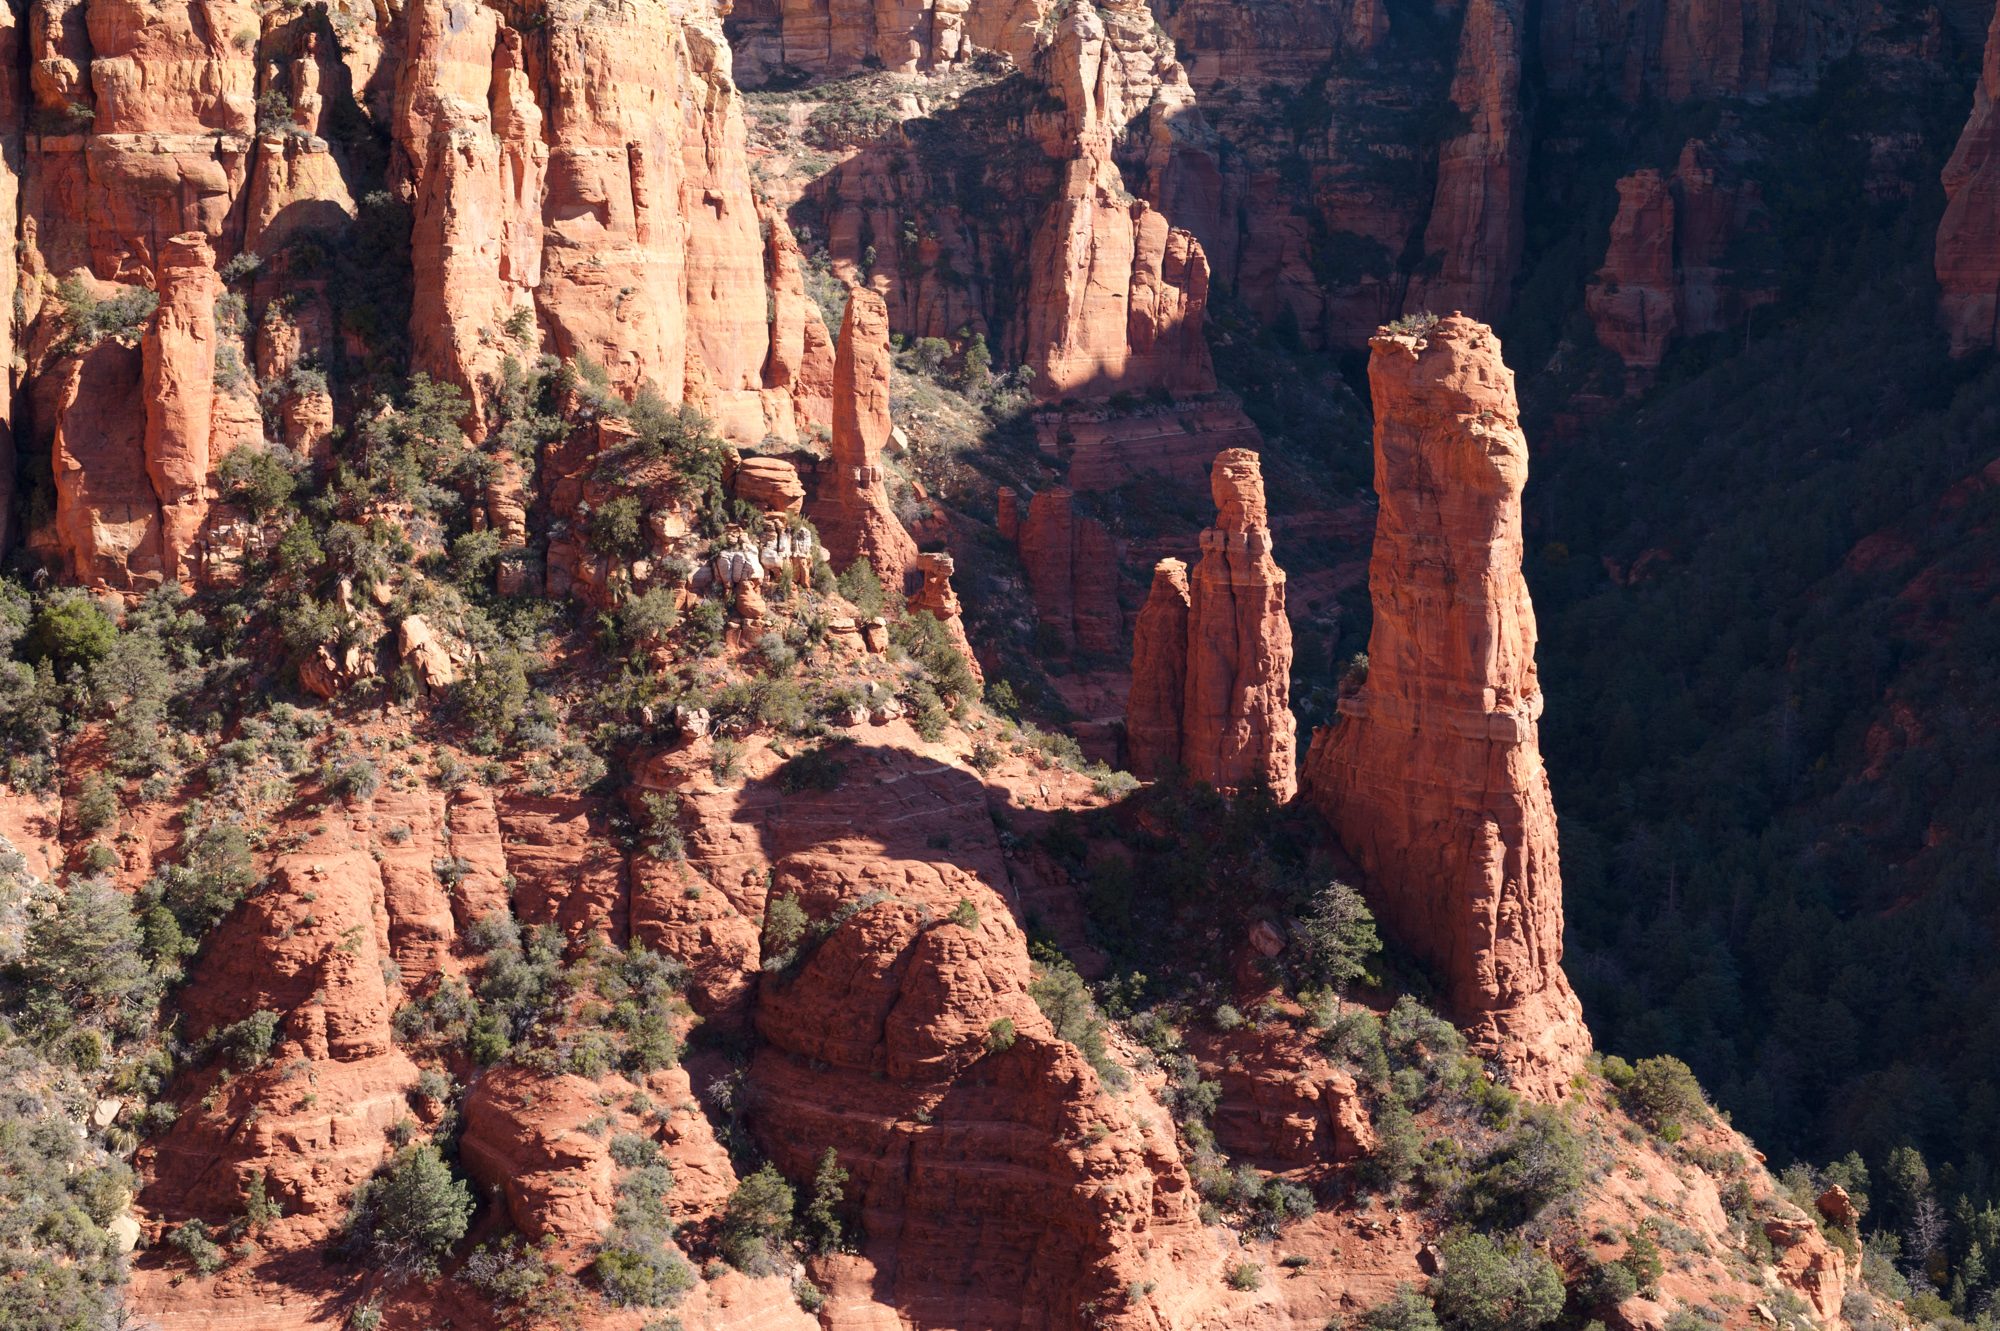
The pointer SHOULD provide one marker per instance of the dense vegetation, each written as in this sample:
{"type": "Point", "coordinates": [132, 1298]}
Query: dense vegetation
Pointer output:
{"type": "Point", "coordinates": [1772, 738]}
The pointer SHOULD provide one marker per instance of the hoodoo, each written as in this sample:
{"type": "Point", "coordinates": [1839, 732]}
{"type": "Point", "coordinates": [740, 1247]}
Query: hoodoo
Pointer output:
{"type": "Point", "coordinates": [1212, 654]}
{"type": "Point", "coordinates": [852, 510]}
{"type": "Point", "coordinates": [1432, 776]}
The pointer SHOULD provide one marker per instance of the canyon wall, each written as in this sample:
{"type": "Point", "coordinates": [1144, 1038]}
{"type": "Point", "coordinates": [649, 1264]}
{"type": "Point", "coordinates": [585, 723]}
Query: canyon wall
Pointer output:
{"type": "Point", "coordinates": [576, 184]}
{"type": "Point", "coordinates": [1431, 776]}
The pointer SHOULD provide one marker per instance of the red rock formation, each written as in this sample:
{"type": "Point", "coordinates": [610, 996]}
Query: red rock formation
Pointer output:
{"type": "Point", "coordinates": [1236, 726]}
{"type": "Point", "coordinates": [13, 114]}
{"type": "Point", "coordinates": [769, 485]}
{"type": "Point", "coordinates": [1159, 675]}
{"type": "Point", "coordinates": [1668, 269]}
{"type": "Point", "coordinates": [1475, 231]}
{"type": "Point", "coordinates": [833, 37]}
{"type": "Point", "coordinates": [1432, 777]}
{"type": "Point", "coordinates": [1117, 294]}
{"type": "Point", "coordinates": [851, 508]}
{"type": "Point", "coordinates": [1072, 564]}
{"type": "Point", "coordinates": [937, 596]}
{"type": "Point", "coordinates": [1968, 238]}
{"type": "Point", "coordinates": [1632, 302]}
{"type": "Point", "coordinates": [179, 384]}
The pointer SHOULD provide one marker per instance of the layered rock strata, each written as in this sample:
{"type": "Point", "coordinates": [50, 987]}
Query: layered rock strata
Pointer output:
{"type": "Point", "coordinates": [851, 507]}
{"type": "Point", "coordinates": [1432, 777]}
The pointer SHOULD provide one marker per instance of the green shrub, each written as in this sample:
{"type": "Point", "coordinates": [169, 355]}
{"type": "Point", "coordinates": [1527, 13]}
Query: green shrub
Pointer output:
{"type": "Point", "coordinates": [1245, 1276]}
{"type": "Point", "coordinates": [811, 769]}
{"type": "Point", "coordinates": [863, 589]}
{"type": "Point", "coordinates": [629, 1150]}
{"type": "Point", "coordinates": [1486, 1286]}
{"type": "Point", "coordinates": [1540, 1165]}
{"type": "Point", "coordinates": [409, 1215]}
{"type": "Point", "coordinates": [249, 1041]}
{"type": "Point", "coordinates": [190, 1238]}
{"type": "Point", "coordinates": [1664, 1095]}
{"type": "Point", "coordinates": [636, 1269]}
{"type": "Point", "coordinates": [1060, 993]}
{"type": "Point", "coordinates": [785, 925]}
{"type": "Point", "coordinates": [650, 616]}
{"type": "Point", "coordinates": [1406, 1311]}
{"type": "Point", "coordinates": [822, 1228]}
{"type": "Point", "coordinates": [90, 320]}
{"type": "Point", "coordinates": [84, 963]}
{"type": "Point", "coordinates": [1000, 1035]}
{"type": "Point", "coordinates": [69, 632]}
{"type": "Point", "coordinates": [1333, 940]}
{"type": "Point", "coordinates": [258, 480]}
{"type": "Point", "coordinates": [96, 804]}
{"type": "Point", "coordinates": [617, 528]}
{"type": "Point", "coordinates": [757, 1222]}
{"type": "Point", "coordinates": [925, 639]}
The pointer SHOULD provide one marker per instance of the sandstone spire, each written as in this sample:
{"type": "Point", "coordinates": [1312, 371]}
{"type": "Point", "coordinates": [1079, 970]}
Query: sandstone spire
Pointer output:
{"type": "Point", "coordinates": [851, 509]}
{"type": "Point", "coordinates": [1159, 674]}
{"type": "Point", "coordinates": [1432, 777]}
{"type": "Point", "coordinates": [179, 378]}
{"type": "Point", "coordinates": [1236, 717]}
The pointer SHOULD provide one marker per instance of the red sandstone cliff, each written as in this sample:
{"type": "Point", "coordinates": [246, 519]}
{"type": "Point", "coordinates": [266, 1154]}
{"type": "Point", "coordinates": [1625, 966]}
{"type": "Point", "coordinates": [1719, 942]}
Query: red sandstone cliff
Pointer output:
{"type": "Point", "coordinates": [1473, 241]}
{"type": "Point", "coordinates": [1968, 238]}
{"type": "Point", "coordinates": [1072, 563]}
{"type": "Point", "coordinates": [1431, 777]}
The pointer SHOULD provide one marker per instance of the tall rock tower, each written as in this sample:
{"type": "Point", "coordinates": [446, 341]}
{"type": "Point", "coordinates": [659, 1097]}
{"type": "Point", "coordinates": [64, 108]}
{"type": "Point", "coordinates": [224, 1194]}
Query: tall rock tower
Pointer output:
{"type": "Point", "coordinates": [1221, 708]}
{"type": "Point", "coordinates": [852, 510]}
{"type": "Point", "coordinates": [1432, 776]}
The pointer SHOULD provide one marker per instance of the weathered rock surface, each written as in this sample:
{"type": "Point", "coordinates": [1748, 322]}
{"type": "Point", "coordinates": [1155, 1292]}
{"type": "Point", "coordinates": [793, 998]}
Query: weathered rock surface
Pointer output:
{"type": "Point", "coordinates": [1670, 268]}
{"type": "Point", "coordinates": [1473, 239]}
{"type": "Point", "coordinates": [1159, 674]}
{"type": "Point", "coordinates": [851, 508]}
{"type": "Point", "coordinates": [936, 596]}
{"type": "Point", "coordinates": [1072, 563]}
{"type": "Point", "coordinates": [1431, 776]}
{"type": "Point", "coordinates": [1968, 239]}
{"type": "Point", "coordinates": [178, 380]}
{"type": "Point", "coordinates": [1237, 727]}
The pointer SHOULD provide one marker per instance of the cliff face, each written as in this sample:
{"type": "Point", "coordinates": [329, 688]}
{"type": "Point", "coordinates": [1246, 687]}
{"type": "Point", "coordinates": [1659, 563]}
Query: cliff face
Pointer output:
{"type": "Point", "coordinates": [580, 184]}
{"type": "Point", "coordinates": [1473, 241]}
{"type": "Point", "coordinates": [1968, 239]}
{"type": "Point", "coordinates": [1431, 776]}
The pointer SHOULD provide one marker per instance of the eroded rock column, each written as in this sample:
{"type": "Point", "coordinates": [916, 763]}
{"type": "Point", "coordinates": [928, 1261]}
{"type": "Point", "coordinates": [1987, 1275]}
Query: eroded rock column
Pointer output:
{"type": "Point", "coordinates": [852, 509]}
{"type": "Point", "coordinates": [179, 379]}
{"type": "Point", "coordinates": [1236, 721]}
{"type": "Point", "coordinates": [1432, 776]}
